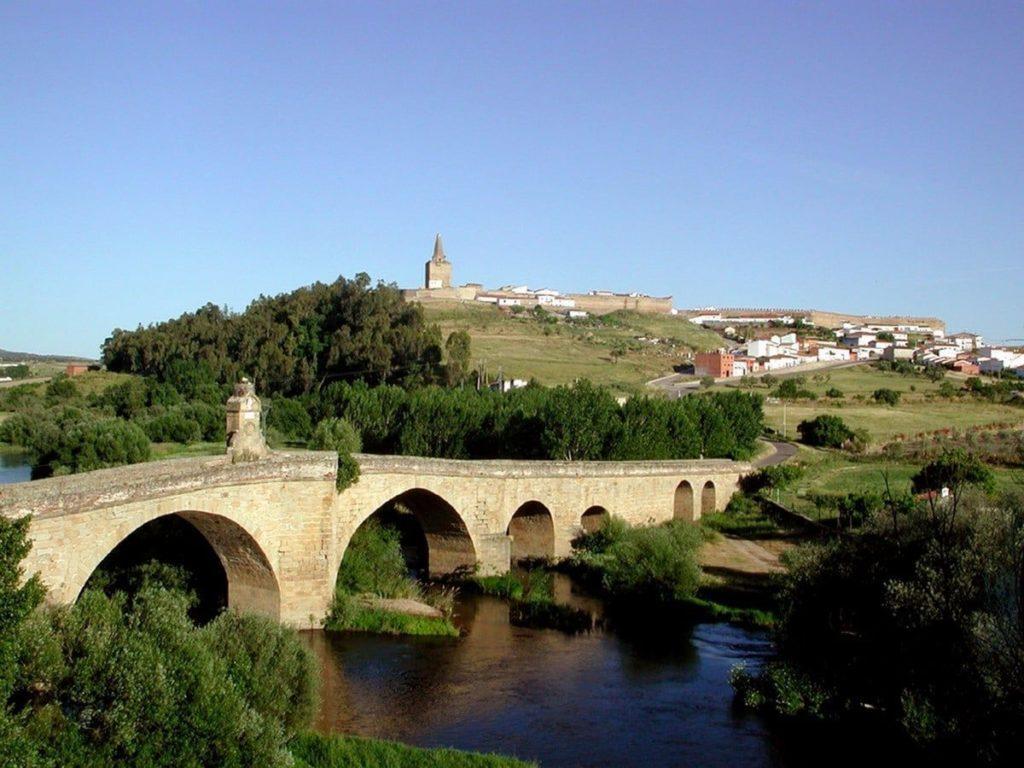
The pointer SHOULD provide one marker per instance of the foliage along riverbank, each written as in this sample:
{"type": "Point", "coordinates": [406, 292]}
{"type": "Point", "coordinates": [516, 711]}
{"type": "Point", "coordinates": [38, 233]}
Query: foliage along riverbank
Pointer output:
{"type": "Point", "coordinates": [129, 679]}
{"type": "Point", "coordinates": [373, 567]}
{"type": "Point", "coordinates": [912, 613]}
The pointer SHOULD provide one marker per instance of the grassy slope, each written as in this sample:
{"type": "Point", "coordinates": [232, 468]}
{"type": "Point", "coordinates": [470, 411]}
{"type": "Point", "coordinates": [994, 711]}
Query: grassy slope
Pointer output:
{"type": "Point", "coordinates": [525, 348]}
{"type": "Point", "coordinates": [835, 473]}
{"type": "Point", "coordinates": [915, 412]}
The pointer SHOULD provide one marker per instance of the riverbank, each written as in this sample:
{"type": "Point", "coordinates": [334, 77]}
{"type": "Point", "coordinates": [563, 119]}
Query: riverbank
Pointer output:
{"type": "Point", "coordinates": [314, 750]}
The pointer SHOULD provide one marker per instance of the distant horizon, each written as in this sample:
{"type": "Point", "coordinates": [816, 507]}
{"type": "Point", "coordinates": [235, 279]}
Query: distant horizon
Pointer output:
{"type": "Point", "coordinates": [857, 156]}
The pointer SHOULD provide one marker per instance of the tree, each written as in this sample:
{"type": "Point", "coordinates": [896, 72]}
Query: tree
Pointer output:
{"type": "Point", "coordinates": [580, 422]}
{"type": "Point", "coordinates": [18, 598]}
{"type": "Point", "coordinates": [886, 396]}
{"type": "Point", "coordinates": [824, 431]}
{"type": "Point", "coordinates": [457, 347]}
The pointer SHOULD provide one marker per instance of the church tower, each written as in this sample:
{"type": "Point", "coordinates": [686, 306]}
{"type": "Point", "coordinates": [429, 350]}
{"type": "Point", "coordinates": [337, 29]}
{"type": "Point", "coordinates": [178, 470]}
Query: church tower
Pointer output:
{"type": "Point", "coordinates": [439, 269]}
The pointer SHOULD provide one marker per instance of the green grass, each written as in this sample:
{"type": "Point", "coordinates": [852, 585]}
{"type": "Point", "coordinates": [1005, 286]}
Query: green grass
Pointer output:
{"type": "Point", "coordinates": [919, 410]}
{"type": "Point", "coordinates": [827, 472]}
{"type": "Point", "coordinates": [560, 352]}
{"type": "Point", "coordinates": [739, 524]}
{"type": "Point", "coordinates": [178, 450]}
{"type": "Point", "coordinates": [356, 617]}
{"type": "Point", "coordinates": [506, 586]}
{"type": "Point", "coordinates": [319, 751]}
{"type": "Point", "coordinates": [711, 610]}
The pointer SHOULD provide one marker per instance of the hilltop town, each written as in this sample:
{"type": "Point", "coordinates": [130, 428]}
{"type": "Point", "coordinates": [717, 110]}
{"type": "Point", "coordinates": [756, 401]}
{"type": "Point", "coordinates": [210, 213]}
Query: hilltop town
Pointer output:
{"type": "Point", "coordinates": [753, 340]}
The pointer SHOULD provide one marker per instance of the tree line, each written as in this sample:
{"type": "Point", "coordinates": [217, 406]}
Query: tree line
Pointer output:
{"type": "Point", "coordinates": [294, 342]}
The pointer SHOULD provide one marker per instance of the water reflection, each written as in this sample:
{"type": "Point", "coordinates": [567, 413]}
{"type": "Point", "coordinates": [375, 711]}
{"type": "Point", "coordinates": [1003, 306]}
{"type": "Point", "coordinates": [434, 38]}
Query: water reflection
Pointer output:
{"type": "Point", "coordinates": [15, 467]}
{"type": "Point", "coordinates": [593, 699]}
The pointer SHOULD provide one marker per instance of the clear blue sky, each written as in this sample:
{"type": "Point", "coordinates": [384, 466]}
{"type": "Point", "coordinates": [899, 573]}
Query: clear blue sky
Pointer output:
{"type": "Point", "coordinates": [854, 156]}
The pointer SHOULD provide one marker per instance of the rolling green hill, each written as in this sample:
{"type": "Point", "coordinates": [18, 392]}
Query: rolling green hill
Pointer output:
{"type": "Point", "coordinates": [606, 349]}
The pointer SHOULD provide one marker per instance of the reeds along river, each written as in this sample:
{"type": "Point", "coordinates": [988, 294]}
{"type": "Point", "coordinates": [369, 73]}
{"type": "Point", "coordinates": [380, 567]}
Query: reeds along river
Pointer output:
{"type": "Point", "coordinates": [660, 697]}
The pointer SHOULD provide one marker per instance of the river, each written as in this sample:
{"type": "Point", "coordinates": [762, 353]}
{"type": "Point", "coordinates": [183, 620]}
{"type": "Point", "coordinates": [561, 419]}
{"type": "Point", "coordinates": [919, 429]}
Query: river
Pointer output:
{"type": "Point", "coordinates": [597, 699]}
{"type": "Point", "coordinates": [15, 467]}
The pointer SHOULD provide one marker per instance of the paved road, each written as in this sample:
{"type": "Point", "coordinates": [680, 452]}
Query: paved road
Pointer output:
{"type": "Point", "coordinates": [783, 452]}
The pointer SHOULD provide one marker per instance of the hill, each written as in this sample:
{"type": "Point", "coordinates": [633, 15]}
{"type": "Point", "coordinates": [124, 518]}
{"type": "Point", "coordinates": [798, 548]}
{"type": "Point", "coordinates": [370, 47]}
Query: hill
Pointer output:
{"type": "Point", "coordinates": [622, 350]}
{"type": "Point", "coordinates": [8, 356]}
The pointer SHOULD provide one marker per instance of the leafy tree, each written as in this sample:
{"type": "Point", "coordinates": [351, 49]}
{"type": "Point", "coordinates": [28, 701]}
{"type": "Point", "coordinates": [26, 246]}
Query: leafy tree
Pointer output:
{"type": "Point", "coordinates": [18, 597]}
{"type": "Point", "coordinates": [289, 417]}
{"type": "Point", "coordinates": [580, 422]}
{"type": "Point", "coordinates": [824, 431]}
{"type": "Point", "coordinates": [289, 344]}
{"type": "Point", "coordinates": [457, 349]}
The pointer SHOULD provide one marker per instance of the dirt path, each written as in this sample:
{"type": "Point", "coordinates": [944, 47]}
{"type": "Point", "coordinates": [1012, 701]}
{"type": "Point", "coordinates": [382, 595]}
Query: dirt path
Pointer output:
{"type": "Point", "coordinates": [742, 555]}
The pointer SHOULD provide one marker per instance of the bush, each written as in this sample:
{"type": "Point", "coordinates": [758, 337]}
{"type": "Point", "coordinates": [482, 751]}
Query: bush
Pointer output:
{"type": "Point", "coordinates": [336, 435]}
{"type": "Point", "coordinates": [289, 418]}
{"type": "Point", "coordinates": [835, 393]}
{"type": "Point", "coordinates": [139, 685]}
{"type": "Point", "coordinates": [886, 396]}
{"type": "Point", "coordinates": [172, 427]}
{"type": "Point", "coordinates": [373, 564]}
{"type": "Point", "coordinates": [824, 431]}
{"type": "Point", "coordinates": [656, 564]}
{"type": "Point", "coordinates": [89, 445]}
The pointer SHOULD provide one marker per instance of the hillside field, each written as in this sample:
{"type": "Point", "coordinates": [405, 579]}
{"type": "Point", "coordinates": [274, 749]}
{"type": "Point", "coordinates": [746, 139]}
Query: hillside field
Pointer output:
{"type": "Point", "coordinates": [556, 351]}
{"type": "Point", "coordinates": [920, 409]}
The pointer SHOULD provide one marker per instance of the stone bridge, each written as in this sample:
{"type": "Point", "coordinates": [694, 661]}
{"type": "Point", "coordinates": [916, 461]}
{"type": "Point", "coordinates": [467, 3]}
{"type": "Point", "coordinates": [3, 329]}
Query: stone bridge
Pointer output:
{"type": "Point", "coordinates": [278, 528]}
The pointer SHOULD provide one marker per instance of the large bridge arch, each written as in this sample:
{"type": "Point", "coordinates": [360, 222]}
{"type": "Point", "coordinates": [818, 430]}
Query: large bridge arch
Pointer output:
{"type": "Point", "coordinates": [442, 545]}
{"type": "Point", "coordinates": [249, 582]}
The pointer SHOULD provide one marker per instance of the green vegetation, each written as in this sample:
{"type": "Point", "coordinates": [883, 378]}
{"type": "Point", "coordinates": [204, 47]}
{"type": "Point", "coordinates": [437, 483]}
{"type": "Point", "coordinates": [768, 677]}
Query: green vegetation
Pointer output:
{"type": "Point", "coordinates": [316, 751]}
{"type": "Point", "coordinates": [886, 396]}
{"type": "Point", "coordinates": [607, 349]}
{"type": "Point", "coordinates": [373, 567]}
{"type": "Point", "coordinates": [825, 432]}
{"type": "Point", "coordinates": [655, 564]}
{"type": "Point", "coordinates": [915, 615]}
{"type": "Point", "coordinates": [532, 601]}
{"type": "Point", "coordinates": [339, 435]}
{"type": "Point", "coordinates": [113, 681]}
{"type": "Point", "coordinates": [291, 343]}
{"type": "Point", "coordinates": [582, 422]}
{"type": "Point", "coordinates": [127, 679]}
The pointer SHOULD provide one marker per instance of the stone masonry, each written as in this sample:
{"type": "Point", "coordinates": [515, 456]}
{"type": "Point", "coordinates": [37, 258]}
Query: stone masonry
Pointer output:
{"type": "Point", "coordinates": [280, 528]}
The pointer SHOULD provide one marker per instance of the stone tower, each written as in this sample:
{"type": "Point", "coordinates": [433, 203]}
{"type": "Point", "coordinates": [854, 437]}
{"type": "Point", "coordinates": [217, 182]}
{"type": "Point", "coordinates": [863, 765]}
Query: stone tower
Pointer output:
{"type": "Point", "coordinates": [439, 269]}
{"type": "Point", "coordinates": [244, 431]}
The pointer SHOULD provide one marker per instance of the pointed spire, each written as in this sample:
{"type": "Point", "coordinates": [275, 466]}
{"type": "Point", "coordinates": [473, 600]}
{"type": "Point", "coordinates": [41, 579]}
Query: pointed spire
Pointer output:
{"type": "Point", "coordinates": [438, 248]}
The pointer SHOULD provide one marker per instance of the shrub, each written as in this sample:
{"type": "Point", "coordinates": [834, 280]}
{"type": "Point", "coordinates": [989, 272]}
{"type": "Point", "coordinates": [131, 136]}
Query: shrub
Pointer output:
{"type": "Point", "coordinates": [289, 417]}
{"type": "Point", "coordinates": [335, 435]}
{"type": "Point", "coordinates": [835, 393]}
{"type": "Point", "coordinates": [824, 431]}
{"type": "Point", "coordinates": [886, 396]}
{"type": "Point", "coordinates": [139, 685]}
{"type": "Point", "coordinates": [172, 427]}
{"type": "Point", "coordinates": [657, 564]}
{"type": "Point", "coordinates": [373, 564]}
{"type": "Point", "coordinates": [88, 445]}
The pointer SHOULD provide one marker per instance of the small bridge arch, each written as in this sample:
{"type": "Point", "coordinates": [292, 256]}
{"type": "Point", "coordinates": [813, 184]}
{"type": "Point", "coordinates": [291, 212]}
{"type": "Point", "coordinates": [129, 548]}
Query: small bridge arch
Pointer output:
{"type": "Point", "coordinates": [708, 498]}
{"type": "Point", "coordinates": [682, 503]}
{"type": "Point", "coordinates": [532, 529]}
{"type": "Point", "coordinates": [594, 519]}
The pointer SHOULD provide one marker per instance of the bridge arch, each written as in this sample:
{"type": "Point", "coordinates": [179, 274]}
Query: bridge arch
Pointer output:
{"type": "Point", "coordinates": [708, 498]}
{"type": "Point", "coordinates": [682, 503]}
{"type": "Point", "coordinates": [229, 566]}
{"type": "Point", "coordinates": [435, 538]}
{"type": "Point", "coordinates": [532, 529]}
{"type": "Point", "coordinates": [594, 519]}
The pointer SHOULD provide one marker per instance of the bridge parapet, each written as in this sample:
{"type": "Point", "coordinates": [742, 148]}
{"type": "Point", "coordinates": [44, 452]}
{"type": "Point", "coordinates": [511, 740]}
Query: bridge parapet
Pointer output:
{"type": "Point", "coordinates": [102, 488]}
{"type": "Point", "coordinates": [373, 464]}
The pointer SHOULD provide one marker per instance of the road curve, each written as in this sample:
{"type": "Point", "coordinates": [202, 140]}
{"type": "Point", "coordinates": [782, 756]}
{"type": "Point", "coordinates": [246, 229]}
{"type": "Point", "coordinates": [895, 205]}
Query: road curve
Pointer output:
{"type": "Point", "coordinates": [782, 452]}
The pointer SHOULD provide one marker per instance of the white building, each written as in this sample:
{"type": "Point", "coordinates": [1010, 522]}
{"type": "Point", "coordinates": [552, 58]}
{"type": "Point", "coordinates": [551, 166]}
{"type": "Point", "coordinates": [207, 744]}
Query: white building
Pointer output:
{"type": "Point", "coordinates": [830, 353]}
{"type": "Point", "coordinates": [967, 342]}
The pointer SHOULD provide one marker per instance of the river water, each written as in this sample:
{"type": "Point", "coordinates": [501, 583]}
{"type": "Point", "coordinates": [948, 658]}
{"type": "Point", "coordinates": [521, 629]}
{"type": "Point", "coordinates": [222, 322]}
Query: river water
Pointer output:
{"type": "Point", "coordinates": [596, 699]}
{"type": "Point", "coordinates": [15, 467]}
